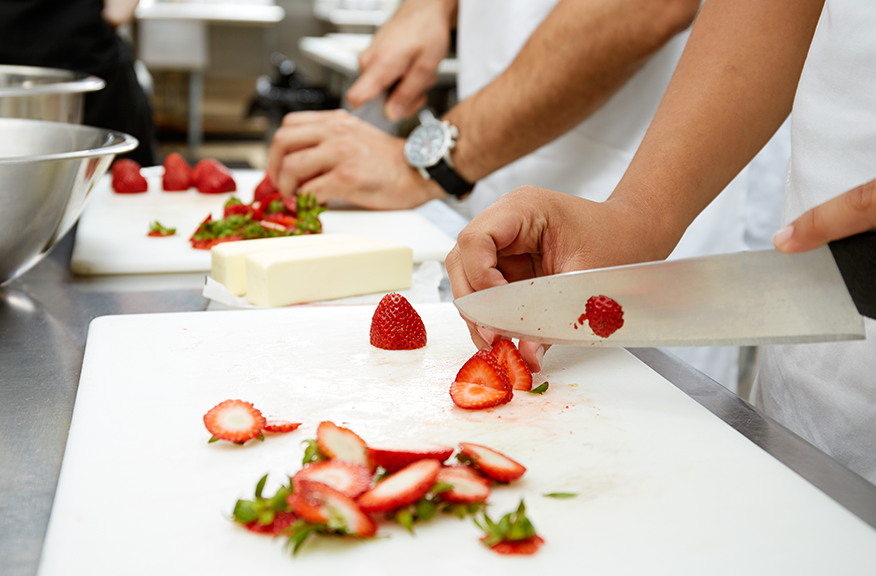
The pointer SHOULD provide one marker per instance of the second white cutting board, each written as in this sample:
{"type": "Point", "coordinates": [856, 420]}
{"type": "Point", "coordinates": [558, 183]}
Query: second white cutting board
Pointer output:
{"type": "Point", "coordinates": [111, 237]}
{"type": "Point", "coordinates": [664, 487]}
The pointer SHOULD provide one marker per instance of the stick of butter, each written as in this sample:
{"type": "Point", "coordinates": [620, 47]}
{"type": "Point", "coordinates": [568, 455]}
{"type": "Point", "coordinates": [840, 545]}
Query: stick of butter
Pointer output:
{"type": "Point", "coordinates": [228, 260]}
{"type": "Point", "coordinates": [327, 271]}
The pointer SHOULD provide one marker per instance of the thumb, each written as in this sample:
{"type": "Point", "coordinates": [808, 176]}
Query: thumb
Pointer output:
{"type": "Point", "coordinates": [848, 214]}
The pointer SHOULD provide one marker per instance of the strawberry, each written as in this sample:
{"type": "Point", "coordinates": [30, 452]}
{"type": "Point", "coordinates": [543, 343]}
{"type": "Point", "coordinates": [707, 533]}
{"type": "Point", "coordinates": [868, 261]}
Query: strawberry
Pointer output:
{"type": "Point", "coordinates": [349, 479]}
{"type": "Point", "coordinates": [396, 325]}
{"type": "Point", "coordinates": [212, 177]}
{"type": "Point", "coordinates": [494, 465]}
{"type": "Point", "coordinates": [281, 521]}
{"type": "Point", "coordinates": [513, 534]}
{"type": "Point", "coordinates": [286, 221]}
{"type": "Point", "coordinates": [177, 173]}
{"type": "Point", "coordinates": [281, 426]}
{"type": "Point", "coordinates": [318, 503]}
{"type": "Point", "coordinates": [396, 458]}
{"type": "Point", "coordinates": [512, 362]}
{"type": "Point", "coordinates": [263, 515]}
{"type": "Point", "coordinates": [342, 444]}
{"type": "Point", "coordinates": [481, 383]}
{"type": "Point", "coordinates": [264, 189]}
{"type": "Point", "coordinates": [235, 421]}
{"type": "Point", "coordinates": [604, 315]}
{"type": "Point", "coordinates": [466, 485]}
{"type": "Point", "coordinates": [401, 488]}
{"type": "Point", "coordinates": [127, 178]}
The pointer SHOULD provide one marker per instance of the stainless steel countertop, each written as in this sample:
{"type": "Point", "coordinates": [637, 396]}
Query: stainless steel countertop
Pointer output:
{"type": "Point", "coordinates": [44, 318]}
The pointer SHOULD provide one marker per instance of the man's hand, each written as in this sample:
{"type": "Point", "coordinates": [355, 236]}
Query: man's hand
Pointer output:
{"type": "Point", "coordinates": [407, 49]}
{"type": "Point", "coordinates": [848, 214]}
{"type": "Point", "coordinates": [532, 232]}
{"type": "Point", "coordinates": [336, 156]}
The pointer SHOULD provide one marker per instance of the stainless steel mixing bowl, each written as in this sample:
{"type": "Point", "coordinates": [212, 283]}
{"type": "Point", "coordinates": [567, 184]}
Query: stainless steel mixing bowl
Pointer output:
{"type": "Point", "coordinates": [44, 93]}
{"type": "Point", "coordinates": [47, 170]}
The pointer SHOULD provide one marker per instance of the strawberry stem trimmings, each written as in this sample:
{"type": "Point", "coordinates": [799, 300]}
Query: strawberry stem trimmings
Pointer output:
{"type": "Point", "coordinates": [541, 389]}
{"type": "Point", "coordinates": [513, 534]}
{"type": "Point", "coordinates": [259, 514]}
{"type": "Point", "coordinates": [156, 230]}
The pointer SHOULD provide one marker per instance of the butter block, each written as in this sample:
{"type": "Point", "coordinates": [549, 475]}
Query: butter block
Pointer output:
{"type": "Point", "coordinates": [327, 271]}
{"type": "Point", "coordinates": [228, 260]}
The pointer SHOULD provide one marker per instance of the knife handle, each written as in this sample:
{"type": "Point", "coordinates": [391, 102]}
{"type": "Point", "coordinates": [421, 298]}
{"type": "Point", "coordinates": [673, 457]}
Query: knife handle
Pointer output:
{"type": "Point", "coordinates": [856, 259]}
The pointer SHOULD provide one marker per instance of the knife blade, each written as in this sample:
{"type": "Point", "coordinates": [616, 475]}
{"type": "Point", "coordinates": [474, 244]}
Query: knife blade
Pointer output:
{"type": "Point", "coordinates": [745, 298]}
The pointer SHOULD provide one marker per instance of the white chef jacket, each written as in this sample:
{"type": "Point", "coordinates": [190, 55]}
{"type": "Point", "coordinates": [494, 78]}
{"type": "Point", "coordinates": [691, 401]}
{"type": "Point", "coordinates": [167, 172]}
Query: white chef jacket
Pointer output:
{"type": "Point", "coordinates": [590, 160]}
{"type": "Point", "coordinates": [827, 392]}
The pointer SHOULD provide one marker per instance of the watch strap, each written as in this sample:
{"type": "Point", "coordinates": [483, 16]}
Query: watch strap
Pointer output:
{"type": "Point", "coordinates": [449, 179]}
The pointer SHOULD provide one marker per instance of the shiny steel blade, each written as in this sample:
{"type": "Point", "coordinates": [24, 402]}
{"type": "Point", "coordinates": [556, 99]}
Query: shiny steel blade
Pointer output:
{"type": "Point", "coordinates": [745, 298]}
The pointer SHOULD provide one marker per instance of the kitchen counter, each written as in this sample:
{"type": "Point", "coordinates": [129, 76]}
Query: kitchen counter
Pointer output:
{"type": "Point", "coordinates": [44, 318]}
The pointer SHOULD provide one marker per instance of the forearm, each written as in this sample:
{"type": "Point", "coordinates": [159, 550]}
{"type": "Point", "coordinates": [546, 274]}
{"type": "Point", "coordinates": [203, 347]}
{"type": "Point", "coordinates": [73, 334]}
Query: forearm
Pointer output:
{"type": "Point", "coordinates": [582, 53]}
{"type": "Point", "coordinates": [733, 88]}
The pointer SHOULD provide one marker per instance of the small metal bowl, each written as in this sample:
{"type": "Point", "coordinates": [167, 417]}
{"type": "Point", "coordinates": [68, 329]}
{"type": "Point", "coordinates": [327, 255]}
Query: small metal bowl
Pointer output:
{"type": "Point", "coordinates": [47, 170]}
{"type": "Point", "coordinates": [44, 93]}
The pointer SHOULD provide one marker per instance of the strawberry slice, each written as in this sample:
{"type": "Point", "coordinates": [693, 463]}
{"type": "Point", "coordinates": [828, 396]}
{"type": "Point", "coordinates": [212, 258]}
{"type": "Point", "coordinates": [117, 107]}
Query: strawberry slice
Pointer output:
{"type": "Point", "coordinates": [401, 488]}
{"type": "Point", "coordinates": [318, 503]}
{"type": "Point", "coordinates": [177, 173]}
{"type": "Point", "coordinates": [234, 421]}
{"type": "Point", "coordinates": [281, 426]}
{"type": "Point", "coordinates": [467, 486]}
{"type": "Point", "coordinates": [396, 458]}
{"type": "Point", "coordinates": [492, 464]}
{"type": "Point", "coordinates": [264, 189]}
{"type": "Point", "coordinates": [282, 521]}
{"type": "Point", "coordinates": [395, 325]}
{"type": "Point", "coordinates": [212, 177]}
{"type": "Point", "coordinates": [481, 383]}
{"type": "Point", "coordinates": [127, 178]}
{"type": "Point", "coordinates": [342, 444]}
{"type": "Point", "coordinates": [349, 479]}
{"type": "Point", "coordinates": [527, 546]}
{"type": "Point", "coordinates": [513, 364]}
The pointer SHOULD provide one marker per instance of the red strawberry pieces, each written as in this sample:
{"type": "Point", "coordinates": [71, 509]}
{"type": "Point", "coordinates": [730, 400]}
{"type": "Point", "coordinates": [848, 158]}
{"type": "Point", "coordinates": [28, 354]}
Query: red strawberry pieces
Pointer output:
{"type": "Point", "coordinates": [264, 190]}
{"type": "Point", "coordinates": [212, 177]}
{"type": "Point", "coordinates": [177, 173]}
{"type": "Point", "coordinates": [318, 503]}
{"type": "Point", "coordinates": [396, 458]}
{"type": "Point", "coordinates": [492, 464]}
{"type": "Point", "coordinates": [281, 426]}
{"type": "Point", "coordinates": [396, 325]}
{"type": "Point", "coordinates": [466, 485]}
{"type": "Point", "coordinates": [527, 546]}
{"type": "Point", "coordinates": [127, 178]}
{"type": "Point", "coordinates": [282, 521]}
{"type": "Point", "coordinates": [512, 362]}
{"type": "Point", "coordinates": [349, 479]}
{"type": "Point", "coordinates": [401, 488]}
{"type": "Point", "coordinates": [342, 444]}
{"type": "Point", "coordinates": [235, 421]}
{"type": "Point", "coordinates": [604, 315]}
{"type": "Point", "coordinates": [481, 383]}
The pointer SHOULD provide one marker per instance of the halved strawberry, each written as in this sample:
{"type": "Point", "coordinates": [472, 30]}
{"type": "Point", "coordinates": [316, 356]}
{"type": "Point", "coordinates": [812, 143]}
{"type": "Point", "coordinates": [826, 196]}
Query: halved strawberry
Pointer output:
{"type": "Point", "coordinates": [526, 546]}
{"type": "Point", "coordinates": [392, 458]}
{"type": "Point", "coordinates": [481, 383]}
{"type": "Point", "coordinates": [512, 362]}
{"type": "Point", "coordinates": [468, 487]}
{"type": "Point", "coordinates": [212, 177]}
{"type": "Point", "coordinates": [401, 488]}
{"type": "Point", "coordinates": [264, 189]}
{"type": "Point", "coordinates": [281, 426]}
{"type": "Point", "coordinates": [342, 444]}
{"type": "Point", "coordinates": [320, 504]}
{"type": "Point", "coordinates": [347, 478]}
{"type": "Point", "coordinates": [234, 421]}
{"type": "Point", "coordinates": [127, 178]}
{"type": "Point", "coordinates": [395, 325]}
{"type": "Point", "coordinates": [177, 173]}
{"type": "Point", "coordinates": [492, 464]}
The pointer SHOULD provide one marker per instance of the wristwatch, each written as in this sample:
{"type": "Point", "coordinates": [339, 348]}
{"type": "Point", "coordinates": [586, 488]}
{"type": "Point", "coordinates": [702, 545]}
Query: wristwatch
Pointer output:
{"type": "Point", "coordinates": [428, 150]}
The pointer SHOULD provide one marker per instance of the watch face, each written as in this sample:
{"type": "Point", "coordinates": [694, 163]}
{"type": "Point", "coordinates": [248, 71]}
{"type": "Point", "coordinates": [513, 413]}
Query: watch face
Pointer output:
{"type": "Point", "coordinates": [426, 145]}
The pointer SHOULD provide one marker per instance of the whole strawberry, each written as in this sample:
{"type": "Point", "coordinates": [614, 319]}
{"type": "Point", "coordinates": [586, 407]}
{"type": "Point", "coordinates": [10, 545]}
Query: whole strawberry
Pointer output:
{"type": "Point", "coordinates": [604, 315]}
{"type": "Point", "coordinates": [212, 177]}
{"type": "Point", "coordinates": [396, 325]}
{"type": "Point", "coordinates": [177, 173]}
{"type": "Point", "coordinates": [127, 178]}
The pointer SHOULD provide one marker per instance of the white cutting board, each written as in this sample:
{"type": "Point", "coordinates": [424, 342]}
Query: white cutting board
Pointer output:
{"type": "Point", "coordinates": [664, 486]}
{"type": "Point", "coordinates": [111, 237]}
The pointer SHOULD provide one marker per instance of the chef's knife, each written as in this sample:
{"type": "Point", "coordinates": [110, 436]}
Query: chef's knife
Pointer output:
{"type": "Point", "coordinates": [745, 298]}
